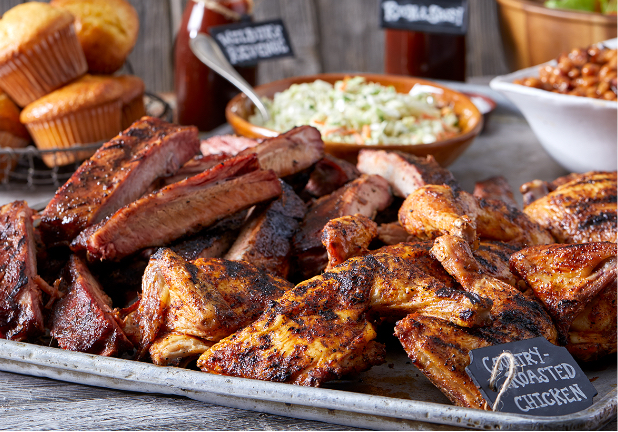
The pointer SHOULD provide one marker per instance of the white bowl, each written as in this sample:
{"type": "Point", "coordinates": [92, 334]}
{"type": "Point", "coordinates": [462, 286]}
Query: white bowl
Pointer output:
{"type": "Point", "coordinates": [580, 133]}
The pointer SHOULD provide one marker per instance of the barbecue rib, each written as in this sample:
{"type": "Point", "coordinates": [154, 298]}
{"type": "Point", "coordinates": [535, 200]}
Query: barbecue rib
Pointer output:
{"type": "Point", "coordinates": [265, 240]}
{"type": "Point", "coordinates": [404, 172]}
{"type": "Point", "coordinates": [83, 319]}
{"type": "Point", "coordinates": [329, 174]}
{"type": "Point", "coordinates": [207, 299]}
{"type": "Point", "coordinates": [290, 152]}
{"type": "Point", "coordinates": [434, 210]}
{"type": "Point", "coordinates": [577, 285]}
{"type": "Point", "coordinates": [440, 348]}
{"type": "Point", "coordinates": [180, 209]}
{"type": "Point", "coordinates": [580, 210]}
{"type": "Point", "coordinates": [194, 166]}
{"type": "Point", "coordinates": [20, 296]}
{"type": "Point", "coordinates": [119, 172]}
{"type": "Point", "coordinates": [495, 188]}
{"type": "Point", "coordinates": [365, 196]}
{"type": "Point", "coordinates": [226, 144]}
{"type": "Point", "coordinates": [320, 330]}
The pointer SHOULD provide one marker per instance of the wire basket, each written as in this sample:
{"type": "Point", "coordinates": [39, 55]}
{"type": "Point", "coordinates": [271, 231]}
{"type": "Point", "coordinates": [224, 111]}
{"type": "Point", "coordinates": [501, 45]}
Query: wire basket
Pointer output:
{"type": "Point", "coordinates": [24, 168]}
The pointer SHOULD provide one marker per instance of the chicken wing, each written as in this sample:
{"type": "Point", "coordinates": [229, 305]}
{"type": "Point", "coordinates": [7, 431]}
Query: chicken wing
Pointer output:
{"type": "Point", "coordinates": [434, 210]}
{"type": "Point", "coordinates": [512, 313]}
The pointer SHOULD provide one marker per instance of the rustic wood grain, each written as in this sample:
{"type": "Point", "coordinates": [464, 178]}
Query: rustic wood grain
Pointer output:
{"type": "Point", "coordinates": [29, 403]}
{"type": "Point", "coordinates": [327, 36]}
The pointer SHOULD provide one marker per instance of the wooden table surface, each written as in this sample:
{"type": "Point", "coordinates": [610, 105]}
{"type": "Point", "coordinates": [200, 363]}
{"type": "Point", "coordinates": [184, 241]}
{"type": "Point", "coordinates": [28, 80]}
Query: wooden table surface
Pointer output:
{"type": "Point", "coordinates": [507, 147]}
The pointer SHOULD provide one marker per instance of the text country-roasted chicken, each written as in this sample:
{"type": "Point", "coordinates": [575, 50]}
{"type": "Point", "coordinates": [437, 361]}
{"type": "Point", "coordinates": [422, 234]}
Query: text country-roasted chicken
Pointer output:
{"type": "Point", "coordinates": [577, 285]}
{"type": "Point", "coordinates": [440, 348]}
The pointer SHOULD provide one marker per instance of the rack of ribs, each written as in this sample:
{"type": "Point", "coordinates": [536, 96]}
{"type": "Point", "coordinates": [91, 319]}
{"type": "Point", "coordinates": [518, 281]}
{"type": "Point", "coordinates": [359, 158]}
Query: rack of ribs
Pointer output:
{"type": "Point", "coordinates": [180, 209]}
{"type": "Point", "coordinates": [21, 306]}
{"type": "Point", "coordinates": [118, 173]}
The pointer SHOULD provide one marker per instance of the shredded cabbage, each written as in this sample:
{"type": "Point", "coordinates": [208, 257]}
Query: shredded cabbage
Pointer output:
{"type": "Point", "coordinates": [357, 111]}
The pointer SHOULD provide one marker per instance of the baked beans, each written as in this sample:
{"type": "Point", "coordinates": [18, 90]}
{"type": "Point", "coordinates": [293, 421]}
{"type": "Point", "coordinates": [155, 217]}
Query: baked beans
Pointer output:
{"type": "Point", "coordinates": [589, 72]}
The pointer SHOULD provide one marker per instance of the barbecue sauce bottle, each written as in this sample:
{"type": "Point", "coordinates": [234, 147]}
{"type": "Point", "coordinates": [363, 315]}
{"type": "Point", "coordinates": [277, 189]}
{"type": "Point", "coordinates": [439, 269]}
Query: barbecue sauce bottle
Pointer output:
{"type": "Point", "coordinates": [429, 55]}
{"type": "Point", "coordinates": [201, 93]}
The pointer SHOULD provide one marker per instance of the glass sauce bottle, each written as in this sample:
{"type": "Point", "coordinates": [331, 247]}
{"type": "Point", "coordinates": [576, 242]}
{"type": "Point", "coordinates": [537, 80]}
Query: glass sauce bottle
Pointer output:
{"type": "Point", "coordinates": [201, 93]}
{"type": "Point", "coordinates": [429, 55]}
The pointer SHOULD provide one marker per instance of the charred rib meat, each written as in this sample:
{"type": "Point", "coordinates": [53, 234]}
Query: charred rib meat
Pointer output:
{"type": "Point", "coordinates": [180, 209]}
{"type": "Point", "coordinates": [365, 196]}
{"type": "Point", "coordinates": [119, 172]}
{"type": "Point", "coordinates": [265, 241]}
{"type": "Point", "coordinates": [20, 296]}
{"type": "Point", "coordinates": [404, 172]}
{"type": "Point", "coordinates": [83, 320]}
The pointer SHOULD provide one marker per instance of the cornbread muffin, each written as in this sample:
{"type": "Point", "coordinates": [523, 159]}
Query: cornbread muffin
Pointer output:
{"type": "Point", "coordinates": [132, 99]}
{"type": "Point", "coordinates": [12, 133]}
{"type": "Point", "coordinates": [83, 112]}
{"type": "Point", "coordinates": [39, 51]}
{"type": "Point", "coordinates": [107, 31]}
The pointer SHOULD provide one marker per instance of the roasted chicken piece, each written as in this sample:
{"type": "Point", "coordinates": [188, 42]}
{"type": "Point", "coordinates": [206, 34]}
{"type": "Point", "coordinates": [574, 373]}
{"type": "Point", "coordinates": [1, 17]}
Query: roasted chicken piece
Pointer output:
{"type": "Point", "coordinates": [347, 237]}
{"type": "Point", "coordinates": [577, 285]}
{"type": "Point", "coordinates": [580, 210]}
{"type": "Point", "coordinates": [21, 315]}
{"type": "Point", "coordinates": [495, 188]}
{"type": "Point", "coordinates": [83, 320]}
{"type": "Point", "coordinates": [404, 172]}
{"type": "Point", "coordinates": [434, 210]}
{"type": "Point", "coordinates": [440, 348]}
{"type": "Point", "coordinates": [512, 313]}
{"type": "Point", "coordinates": [366, 195]}
{"type": "Point", "coordinates": [208, 299]}
{"type": "Point", "coordinates": [265, 240]}
{"type": "Point", "coordinates": [320, 330]}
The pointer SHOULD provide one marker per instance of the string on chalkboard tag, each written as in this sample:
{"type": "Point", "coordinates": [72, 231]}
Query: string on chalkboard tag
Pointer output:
{"type": "Point", "coordinates": [542, 379]}
{"type": "Point", "coordinates": [493, 379]}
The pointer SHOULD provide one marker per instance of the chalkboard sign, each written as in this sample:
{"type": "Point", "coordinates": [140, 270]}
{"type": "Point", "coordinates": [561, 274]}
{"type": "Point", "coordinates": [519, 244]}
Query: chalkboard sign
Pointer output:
{"type": "Point", "coordinates": [246, 43]}
{"type": "Point", "coordinates": [429, 16]}
{"type": "Point", "coordinates": [547, 382]}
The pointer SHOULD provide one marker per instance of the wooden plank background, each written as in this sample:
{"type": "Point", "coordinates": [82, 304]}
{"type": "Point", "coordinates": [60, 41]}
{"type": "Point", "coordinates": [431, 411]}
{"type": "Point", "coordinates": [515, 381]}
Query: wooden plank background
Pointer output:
{"type": "Point", "coordinates": [327, 36]}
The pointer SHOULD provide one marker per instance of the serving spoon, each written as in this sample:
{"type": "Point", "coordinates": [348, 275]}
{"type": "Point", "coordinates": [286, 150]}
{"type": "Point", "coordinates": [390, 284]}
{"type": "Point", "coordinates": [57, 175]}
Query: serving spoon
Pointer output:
{"type": "Point", "coordinates": [206, 49]}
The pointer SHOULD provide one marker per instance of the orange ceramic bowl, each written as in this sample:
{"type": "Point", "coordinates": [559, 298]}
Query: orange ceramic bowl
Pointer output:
{"type": "Point", "coordinates": [445, 151]}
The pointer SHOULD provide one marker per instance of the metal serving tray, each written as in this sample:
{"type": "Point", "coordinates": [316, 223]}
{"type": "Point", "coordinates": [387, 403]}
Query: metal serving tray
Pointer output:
{"type": "Point", "coordinates": [392, 396]}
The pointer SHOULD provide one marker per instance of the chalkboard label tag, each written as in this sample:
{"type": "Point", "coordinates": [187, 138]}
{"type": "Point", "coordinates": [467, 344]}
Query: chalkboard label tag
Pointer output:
{"type": "Point", "coordinates": [247, 43]}
{"type": "Point", "coordinates": [547, 382]}
{"type": "Point", "coordinates": [429, 16]}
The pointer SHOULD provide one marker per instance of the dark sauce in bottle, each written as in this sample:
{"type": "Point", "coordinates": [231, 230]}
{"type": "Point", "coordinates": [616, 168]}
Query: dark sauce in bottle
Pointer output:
{"type": "Point", "coordinates": [429, 55]}
{"type": "Point", "coordinates": [201, 93]}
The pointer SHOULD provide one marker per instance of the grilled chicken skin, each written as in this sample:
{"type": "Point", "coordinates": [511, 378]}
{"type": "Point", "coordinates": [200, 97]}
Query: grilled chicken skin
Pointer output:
{"type": "Point", "coordinates": [320, 330]}
{"type": "Point", "coordinates": [577, 285]}
{"type": "Point", "coordinates": [580, 210]}
{"type": "Point", "coordinates": [495, 188]}
{"type": "Point", "coordinates": [207, 299]}
{"type": "Point", "coordinates": [434, 210]}
{"type": "Point", "coordinates": [346, 237]}
{"type": "Point", "coordinates": [440, 348]}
